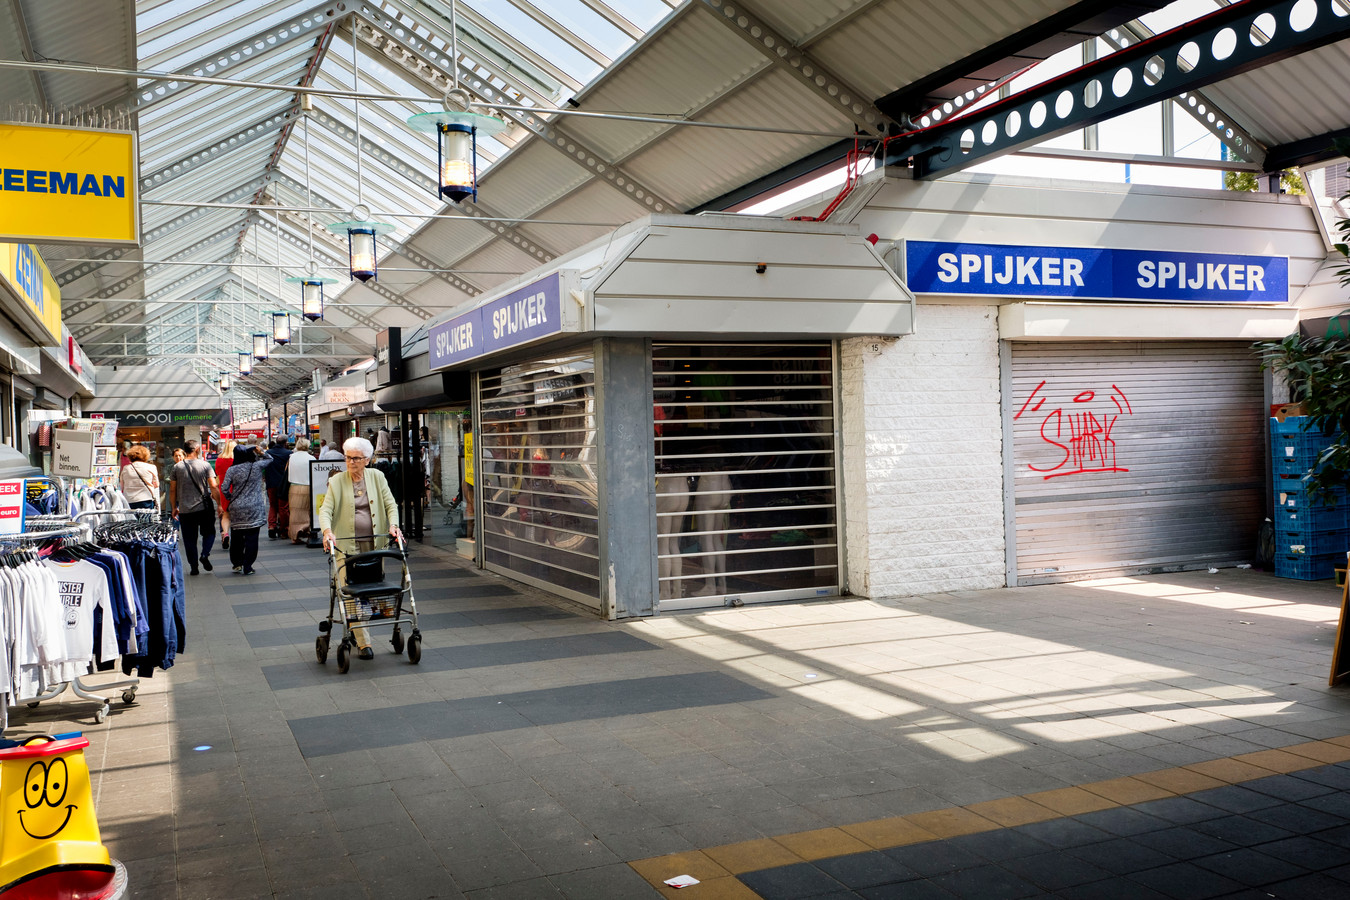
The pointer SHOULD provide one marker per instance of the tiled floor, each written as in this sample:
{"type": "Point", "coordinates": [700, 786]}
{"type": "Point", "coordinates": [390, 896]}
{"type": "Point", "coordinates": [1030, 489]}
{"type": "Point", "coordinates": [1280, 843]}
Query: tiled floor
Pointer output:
{"type": "Point", "coordinates": [1162, 736]}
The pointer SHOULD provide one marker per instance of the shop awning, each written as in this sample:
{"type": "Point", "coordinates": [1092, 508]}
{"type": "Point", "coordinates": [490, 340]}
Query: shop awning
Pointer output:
{"type": "Point", "coordinates": [710, 277]}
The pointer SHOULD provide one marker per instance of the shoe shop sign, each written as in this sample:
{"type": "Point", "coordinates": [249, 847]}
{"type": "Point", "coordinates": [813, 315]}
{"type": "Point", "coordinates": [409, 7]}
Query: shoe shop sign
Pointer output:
{"type": "Point", "coordinates": [1089, 273]}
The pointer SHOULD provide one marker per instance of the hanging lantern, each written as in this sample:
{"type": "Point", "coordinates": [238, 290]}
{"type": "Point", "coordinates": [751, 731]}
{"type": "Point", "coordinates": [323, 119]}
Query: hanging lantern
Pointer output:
{"type": "Point", "coordinates": [362, 251]}
{"type": "Point", "coordinates": [260, 345]}
{"type": "Point", "coordinates": [245, 363]}
{"type": "Point", "coordinates": [281, 327]}
{"type": "Point", "coordinates": [311, 294]}
{"type": "Point", "coordinates": [457, 136]}
{"type": "Point", "coordinates": [224, 381]}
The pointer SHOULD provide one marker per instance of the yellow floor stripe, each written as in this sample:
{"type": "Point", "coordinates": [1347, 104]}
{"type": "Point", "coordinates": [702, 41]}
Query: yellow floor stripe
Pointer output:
{"type": "Point", "coordinates": [717, 867]}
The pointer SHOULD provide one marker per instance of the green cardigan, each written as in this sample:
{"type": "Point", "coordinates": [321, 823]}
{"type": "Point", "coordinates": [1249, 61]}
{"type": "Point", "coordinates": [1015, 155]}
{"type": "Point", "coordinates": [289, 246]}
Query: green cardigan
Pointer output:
{"type": "Point", "coordinates": [337, 510]}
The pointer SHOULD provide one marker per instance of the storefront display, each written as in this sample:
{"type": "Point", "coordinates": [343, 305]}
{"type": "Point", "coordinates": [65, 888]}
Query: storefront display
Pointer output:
{"type": "Point", "coordinates": [535, 471]}
{"type": "Point", "coordinates": [745, 472]}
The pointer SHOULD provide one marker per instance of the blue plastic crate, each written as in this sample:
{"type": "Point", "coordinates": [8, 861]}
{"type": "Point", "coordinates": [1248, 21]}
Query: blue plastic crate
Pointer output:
{"type": "Point", "coordinates": [1307, 568]}
{"type": "Point", "coordinates": [1294, 425]}
{"type": "Point", "coordinates": [1294, 542]}
{"type": "Point", "coordinates": [1287, 453]}
{"type": "Point", "coordinates": [1310, 519]}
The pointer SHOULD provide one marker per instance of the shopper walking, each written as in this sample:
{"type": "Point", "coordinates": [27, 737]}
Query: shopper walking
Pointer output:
{"type": "Point", "coordinates": [244, 485]}
{"type": "Point", "coordinates": [278, 489]}
{"type": "Point", "coordinates": [223, 462]}
{"type": "Point", "coordinates": [140, 480]}
{"type": "Point", "coordinates": [297, 469]}
{"type": "Point", "coordinates": [194, 494]}
{"type": "Point", "coordinates": [358, 505]}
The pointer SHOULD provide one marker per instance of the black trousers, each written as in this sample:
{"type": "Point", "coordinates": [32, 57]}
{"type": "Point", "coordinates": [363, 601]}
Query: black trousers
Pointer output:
{"type": "Point", "coordinates": [244, 547]}
{"type": "Point", "coordinates": [202, 522]}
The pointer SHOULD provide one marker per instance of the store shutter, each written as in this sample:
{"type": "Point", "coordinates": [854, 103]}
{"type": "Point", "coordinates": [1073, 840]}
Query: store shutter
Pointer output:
{"type": "Point", "coordinates": [536, 474]}
{"type": "Point", "coordinates": [1134, 457]}
{"type": "Point", "coordinates": [746, 507]}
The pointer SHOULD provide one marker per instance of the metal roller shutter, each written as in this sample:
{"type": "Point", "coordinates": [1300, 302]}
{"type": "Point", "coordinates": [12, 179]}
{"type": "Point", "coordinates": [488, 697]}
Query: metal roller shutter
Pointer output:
{"type": "Point", "coordinates": [746, 507]}
{"type": "Point", "coordinates": [536, 474]}
{"type": "Point", "coordinates": [1134, 457]}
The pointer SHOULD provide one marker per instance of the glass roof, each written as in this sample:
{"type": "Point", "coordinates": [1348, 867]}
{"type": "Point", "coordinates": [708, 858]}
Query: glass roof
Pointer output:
{"type": "Point", "coordinates": [214, 276]}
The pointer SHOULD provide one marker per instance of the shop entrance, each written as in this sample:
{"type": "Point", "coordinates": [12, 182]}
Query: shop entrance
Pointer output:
{"type": "Point", "coordinates": [536, 475]}
{"type": "Point", "coordinates": [746, 504]}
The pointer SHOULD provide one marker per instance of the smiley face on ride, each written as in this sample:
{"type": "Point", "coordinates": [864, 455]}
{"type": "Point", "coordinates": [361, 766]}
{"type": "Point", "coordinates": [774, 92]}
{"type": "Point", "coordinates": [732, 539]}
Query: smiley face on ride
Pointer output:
{"type": "Point", "coordinates": [44, 792]}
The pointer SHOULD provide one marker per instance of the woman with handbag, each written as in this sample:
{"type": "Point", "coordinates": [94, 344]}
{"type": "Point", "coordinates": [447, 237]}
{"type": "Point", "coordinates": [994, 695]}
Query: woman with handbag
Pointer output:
{"type": "Point", "coordinates": [359, 505]}
{"type": "Point", "coordinates": [139, 479]}
{"type": "Point", "coordinates": [243, 487]}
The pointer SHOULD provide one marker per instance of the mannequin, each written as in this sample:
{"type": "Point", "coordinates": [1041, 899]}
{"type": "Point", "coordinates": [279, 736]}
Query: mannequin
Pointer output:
{"type": "Point", "coordinates": [711, 518]}
{"type": "Point", "coordinates": [383, 444]}
{"type": "Point", "coordinates": [671, 501]}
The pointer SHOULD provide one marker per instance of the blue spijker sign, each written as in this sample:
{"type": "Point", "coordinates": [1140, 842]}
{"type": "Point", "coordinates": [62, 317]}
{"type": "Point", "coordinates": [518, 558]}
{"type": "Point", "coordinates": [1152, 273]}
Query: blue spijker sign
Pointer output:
{"type": "Point", "coordinates": [522, 316]}
{"type": "Point", "coordinates": [1082, 273]}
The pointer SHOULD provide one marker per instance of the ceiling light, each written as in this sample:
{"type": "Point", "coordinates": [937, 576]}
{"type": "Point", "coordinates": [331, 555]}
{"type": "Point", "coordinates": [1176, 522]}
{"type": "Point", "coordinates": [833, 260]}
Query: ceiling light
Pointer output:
{"type": "Point", "coordinates": [260, 345]}
{"type": "Point", "coordinates": [362, 252]}
{"type": "Point", "coordinates": [281, 327]}
{"type": "Point", "coordinates": [245, 363]}
{"type": "Point", "coordinates": [457, 136]}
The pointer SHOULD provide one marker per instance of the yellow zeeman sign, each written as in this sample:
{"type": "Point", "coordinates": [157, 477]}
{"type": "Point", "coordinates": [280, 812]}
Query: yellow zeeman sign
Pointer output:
{"type": "Point", "coordinates": [71, 185]}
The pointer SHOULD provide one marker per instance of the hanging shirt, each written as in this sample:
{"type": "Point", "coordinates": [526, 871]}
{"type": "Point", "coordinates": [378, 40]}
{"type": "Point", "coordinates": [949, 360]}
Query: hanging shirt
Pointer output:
{"type": "Point", "coordinates": [83, 587]}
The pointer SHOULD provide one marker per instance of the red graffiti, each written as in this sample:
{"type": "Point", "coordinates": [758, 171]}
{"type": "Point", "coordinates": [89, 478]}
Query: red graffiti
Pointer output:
{"type": "Point", "coordinates": [1082, 436]}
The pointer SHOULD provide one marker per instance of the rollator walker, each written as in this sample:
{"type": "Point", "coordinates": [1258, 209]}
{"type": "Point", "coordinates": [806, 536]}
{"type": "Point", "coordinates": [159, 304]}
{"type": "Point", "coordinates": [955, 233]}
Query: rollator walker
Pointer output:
{"type": "Point", "coordinates": [368, 598]}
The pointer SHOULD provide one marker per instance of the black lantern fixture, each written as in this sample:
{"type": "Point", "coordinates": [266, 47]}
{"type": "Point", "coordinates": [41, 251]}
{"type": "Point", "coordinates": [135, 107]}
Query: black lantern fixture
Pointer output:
{"type": "Point", "coordinates": [245, 363]}
{"type": "Point", "coordinates": [260, 345]}
{"type": "Point", "coordinates": [224, 381]}
{"type": "Point", "coordinates": [362, 250]}
{"type": "Point", "coordinates": [311, 289]}
{"type": "Point", "coordinates": [281, 328]}
{"type": "Point", "coordinates": [457, 136]}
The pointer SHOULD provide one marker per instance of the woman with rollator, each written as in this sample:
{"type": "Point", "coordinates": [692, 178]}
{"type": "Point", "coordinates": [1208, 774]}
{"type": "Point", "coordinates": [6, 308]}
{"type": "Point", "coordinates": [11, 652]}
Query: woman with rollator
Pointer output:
{"type": "Point", "coordinates": [359, 505]}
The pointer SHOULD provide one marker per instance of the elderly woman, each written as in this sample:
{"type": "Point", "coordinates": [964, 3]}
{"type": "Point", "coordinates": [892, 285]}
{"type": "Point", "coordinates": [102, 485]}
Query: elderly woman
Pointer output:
{"type": "Point", "coordinates": [359, 505]}
{"type": "Point", "coordinates": [244, 485]}
{"type": "Point", "coordinates": [140, 479]}
{"type": "Point", "coordinates": [297, 471]}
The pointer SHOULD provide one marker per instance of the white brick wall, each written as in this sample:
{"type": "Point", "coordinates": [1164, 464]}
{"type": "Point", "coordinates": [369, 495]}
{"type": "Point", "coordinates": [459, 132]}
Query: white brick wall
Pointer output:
{"type": "Point", "coordinates": [923, 464]}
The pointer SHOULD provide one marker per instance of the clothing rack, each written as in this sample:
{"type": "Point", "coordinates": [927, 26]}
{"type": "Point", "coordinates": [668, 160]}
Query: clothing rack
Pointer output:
{"type": "Point", "coordinates": [47, 530]}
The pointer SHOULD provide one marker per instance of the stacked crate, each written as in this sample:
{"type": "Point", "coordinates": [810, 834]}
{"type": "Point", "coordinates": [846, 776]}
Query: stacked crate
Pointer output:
{"type": "Point", "coordinates": [1311, 536]}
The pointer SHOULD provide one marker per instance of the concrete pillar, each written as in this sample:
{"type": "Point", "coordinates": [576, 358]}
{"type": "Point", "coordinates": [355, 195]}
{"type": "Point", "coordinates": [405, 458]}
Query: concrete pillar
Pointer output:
{"type": "Point", "coordinates": [626, 477]}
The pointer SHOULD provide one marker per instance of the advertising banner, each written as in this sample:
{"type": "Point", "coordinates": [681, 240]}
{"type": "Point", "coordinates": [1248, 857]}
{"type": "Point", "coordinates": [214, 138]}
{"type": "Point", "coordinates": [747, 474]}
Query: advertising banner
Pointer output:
{"type": "Point", "coordinates": [11, 506]}
{"type": "Point", "coordinates": [68, 185]}
{"type": "Point", "coordinates": [1089, 273]}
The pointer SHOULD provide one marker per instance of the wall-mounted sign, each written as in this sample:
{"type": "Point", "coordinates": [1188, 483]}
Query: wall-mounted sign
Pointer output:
{"type": "Point", "coordinates": [27, 280]}
{"type": "Point", "coordinates": [524, 315]}
{"type": "Point", "coordinates": [68, 185]}
{"type": "Point", "coordinates": [389, 356]}
{"type": "Point", "coordinates": [166, 419]}
{"type": "Point", "coordinates": [73, 453]}
{"type": "Point", "coordinates": [1083, 273]}
{"type": "Point", "coordinates": [344, 395]}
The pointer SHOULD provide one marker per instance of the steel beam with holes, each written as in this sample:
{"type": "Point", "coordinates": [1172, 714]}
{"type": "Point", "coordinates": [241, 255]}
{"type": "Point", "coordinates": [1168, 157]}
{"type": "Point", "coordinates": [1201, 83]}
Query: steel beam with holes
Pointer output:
{"type": "Point", "coordinates": [1119, 84]}
{"type": "Point", "coordinates": [213, 152]}
{"type": "Point", "coordinates": [1238, 139]}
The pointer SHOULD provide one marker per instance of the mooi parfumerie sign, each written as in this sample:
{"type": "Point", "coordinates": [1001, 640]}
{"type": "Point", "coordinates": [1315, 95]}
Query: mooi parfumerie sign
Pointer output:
{"type": "Point", "coordinates": [68, 185]}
